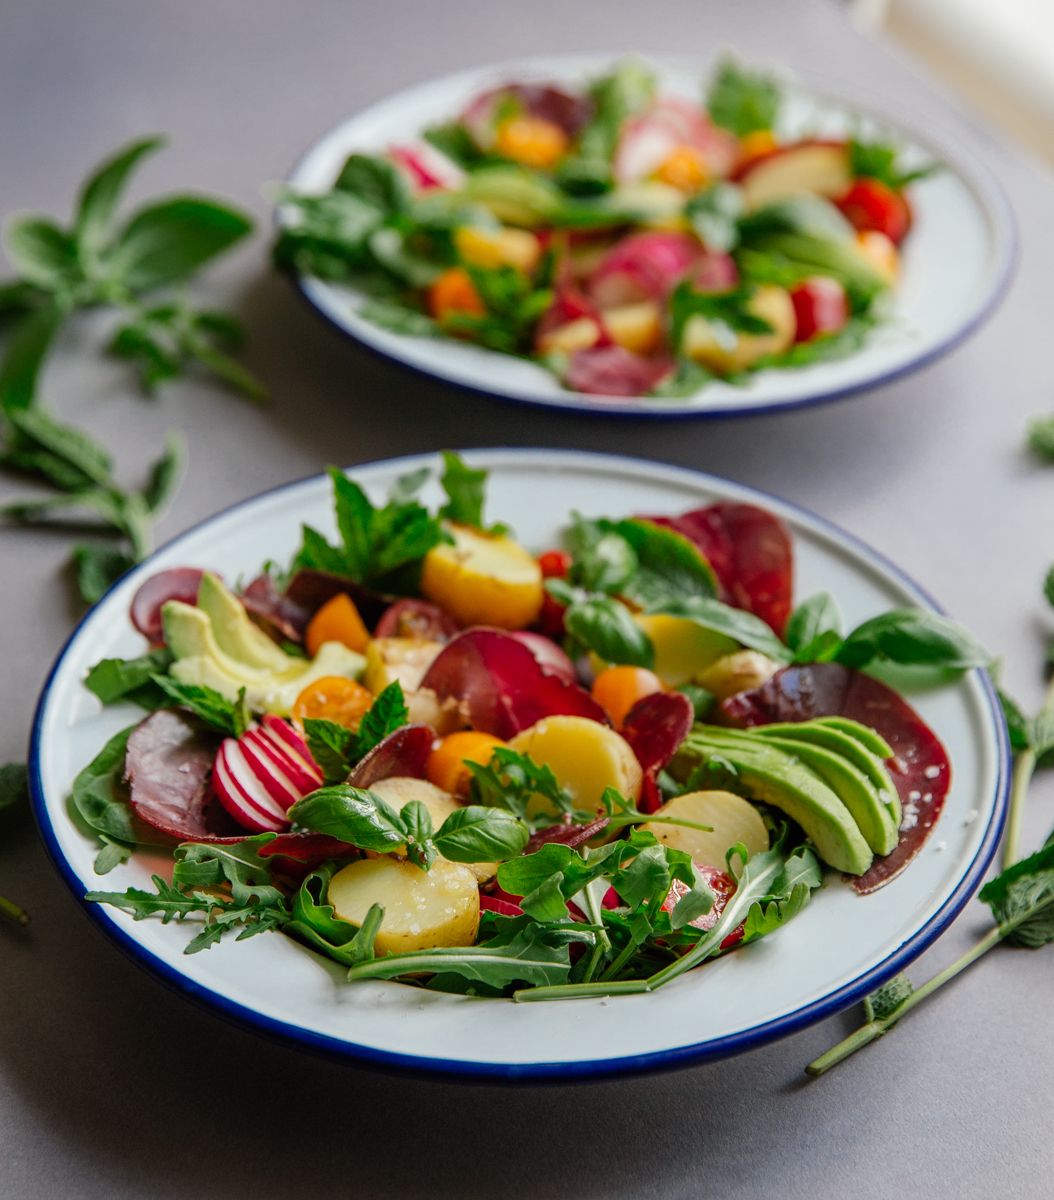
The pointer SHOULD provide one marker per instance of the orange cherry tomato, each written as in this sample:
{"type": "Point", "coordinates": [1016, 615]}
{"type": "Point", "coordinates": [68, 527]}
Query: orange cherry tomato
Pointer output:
{"type": "Point", "coordinates": [685, 169]}
{"type": "Point", "coordinates": [337, 620]}
{"type": "Point", "coordinates": [758, 144]}
{"type": "Point", "coordinates": [446, 764]}
{"type": "Point", "coordinates": [533, 141]}
{"type": "Point", "coordinates": [334, 698]}
{"type": "Point", "coordinates": [617, 689]}
{"type": "Point", "coordinates": [454, 292]}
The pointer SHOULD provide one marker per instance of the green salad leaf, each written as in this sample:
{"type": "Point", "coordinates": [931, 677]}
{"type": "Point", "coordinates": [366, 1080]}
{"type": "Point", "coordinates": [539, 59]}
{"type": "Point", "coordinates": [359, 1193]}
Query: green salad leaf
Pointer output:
{"type": "Point", "coordinates": [114, 679]}
{"type": "Point", "coordinates": [742, 101]}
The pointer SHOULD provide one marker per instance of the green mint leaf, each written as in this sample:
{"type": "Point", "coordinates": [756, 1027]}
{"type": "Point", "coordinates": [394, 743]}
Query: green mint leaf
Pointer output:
{"type": "Point", "coordinates": [607, 627]}
{"type": "Point", "coordinates": [317, 554]}
{"type": "Point", "coordinates": [242, 714]}
{"type": "Point", "coordinates": [165, 475]}
{"type": "Point", "coordinates": [1022, 899]}
{"type": "Point", "coordinates": [1018, 725]}
{"type": "Point", "coordinates": [747, 629]}
{"type": "Point", "coordinates": [911, 637]}
{"type": "Point", "coordinates": [102, 191]}
{"type": "Point", "coordinates": [237, 866]}
{"type": "Point", "coordinates": [226, 369]}
{"type": "Point", "coordinates": [387, 714]}
{"type": "Point", "coordinates": [204, 702]}
{"type": "Point", "coordinates": [115, 679]}
{"type": "Point", "coordinates": [474, 834]}
{"type": "Point", "coordinates": [742, 101]}
{"type": "Point", "coordinates": [99, 794]}
{"type": "Point", "coordinates": [352, 815]}
{"type": "Point", "coordinates": [167, 242]}
{"type": "Point", "coordinates": [332, 747]}
{"type": "Point", "coordinates": [66, 442]}
{"type": "Point", "coordinates": [889, 997]}
{"type": "Point", "coordinates": [24, 355]}
{"type": "Point", "coordinates": [1040, 436]}
{"type": "Point", "coordinates": [465, 491]}
{"type": "Point", "coordinates": [158, 362]}
{"type": "Point", "coordinates": [817, 615]}
{"type": "Point", "coordinates": [376, 181]}
{"type": "Point", "coordinates": [14, 785]}
{"type": "Point", "coordinates": [42, 253]}
{"type": "Point", "coordinates": [602, 560]}
{"type": "Point", "coordinates": [878, 160]}
{"type": "Point", "coordinates": [98, 568]}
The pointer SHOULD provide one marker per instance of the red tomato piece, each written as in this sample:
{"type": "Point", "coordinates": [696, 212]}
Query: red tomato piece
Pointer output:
{"type": "Point", "coordinates": [820, 306]}
{"type": "Point", "coordinates": [871, 204]}
{"type": "Point", "coordinates": [555, 564]}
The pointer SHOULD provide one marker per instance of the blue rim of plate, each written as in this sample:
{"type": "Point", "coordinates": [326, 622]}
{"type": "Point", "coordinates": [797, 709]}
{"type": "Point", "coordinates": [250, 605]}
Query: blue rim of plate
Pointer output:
{"type": "Point", "coordinates": [983, 182]}
{"type": "Point", "coordinates": [547, 1072]}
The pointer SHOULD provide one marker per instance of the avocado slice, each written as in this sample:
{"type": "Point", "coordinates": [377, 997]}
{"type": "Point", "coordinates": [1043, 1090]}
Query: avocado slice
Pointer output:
{"type": "Point", "coordinates": [867, 737]}
{"type": "Point", "coordinates": [235, 633]}
{"type": "Point", "coordinates": [854, 789]}
{"type": "Point", "coordinates": [848, 747]}
{"type": "Point", "coordinates": [772, 776]}
{"type": "Point", "coordinates": [189, 634]}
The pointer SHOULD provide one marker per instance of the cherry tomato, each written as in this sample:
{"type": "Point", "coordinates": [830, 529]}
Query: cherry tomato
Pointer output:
{"type": "Point", "coordinates": [555, 564]}
{"type": "Point", "coordinates": [820, 306]}
{"type": "Point", "coordinates": [871, 204]}
{"type": "Point", "coordinates": [446, 764]}
{"type": "Point", "coordinates": [334, 698]}
{"type": "Point", "coordinates": [617, 689]}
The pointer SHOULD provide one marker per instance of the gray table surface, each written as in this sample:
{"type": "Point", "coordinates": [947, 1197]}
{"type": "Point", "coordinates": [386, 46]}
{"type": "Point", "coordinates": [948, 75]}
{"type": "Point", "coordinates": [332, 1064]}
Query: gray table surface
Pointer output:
{"type": "Point", "coordinates": [112, 1087]}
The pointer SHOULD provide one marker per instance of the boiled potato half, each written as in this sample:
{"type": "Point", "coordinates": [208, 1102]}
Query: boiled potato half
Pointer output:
{"type": "Point", "coordinates": [724, 350]}
{"type": "Point", "coordinates": [399, 790]}
{"type": "Point", "coordinates": [483, 580]}
{"type": "Point", "coordinates": [732, 818]}
{"type": "Point", "coordinates": [422, 909]}
{"type": "Point", "coordinates": [683, 648]}
{"type": "Point", "coordinates": [586, 758]}
{"type": "Point", "coordinates": [737, 673]}
{"type": "Point", "coordinates": [405, 659]}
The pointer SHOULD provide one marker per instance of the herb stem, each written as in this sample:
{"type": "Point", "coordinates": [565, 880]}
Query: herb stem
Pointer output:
{"type": "Point", "coordinates": [1024, 767]}
{"type": "Point", "coordinates": [13, 912]}
{"type": "Point", "coordinates": [577, 991]}
{"type": "Point", "coordinates": [875, 1029]}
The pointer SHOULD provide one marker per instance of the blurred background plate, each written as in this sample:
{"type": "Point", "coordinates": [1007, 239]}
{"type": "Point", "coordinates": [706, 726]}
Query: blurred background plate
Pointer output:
{"type": "Point", "coordinates": [956, 262]}
{"type": "Point", "coordinates": [840, 949]}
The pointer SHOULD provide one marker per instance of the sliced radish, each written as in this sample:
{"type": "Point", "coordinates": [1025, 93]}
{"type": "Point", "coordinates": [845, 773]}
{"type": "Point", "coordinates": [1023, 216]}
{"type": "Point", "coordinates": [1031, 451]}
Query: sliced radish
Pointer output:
{"type": "Point", "coordinates": [285, 736]}
{"type": "Point", "coordinates": [426, 167]}
{"type": "Point", "coordinates": [242, 794]}
{"type": "Point", "coordinates": [258, 751]}
{"type": "Point", "coordinates": [304, 777]}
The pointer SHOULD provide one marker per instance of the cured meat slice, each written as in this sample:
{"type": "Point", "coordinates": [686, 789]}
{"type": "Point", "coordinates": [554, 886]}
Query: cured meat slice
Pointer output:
{"type": "Point", "coordinates": [177, 583]}
{"type": "Point", "coordinates": [655, 727]}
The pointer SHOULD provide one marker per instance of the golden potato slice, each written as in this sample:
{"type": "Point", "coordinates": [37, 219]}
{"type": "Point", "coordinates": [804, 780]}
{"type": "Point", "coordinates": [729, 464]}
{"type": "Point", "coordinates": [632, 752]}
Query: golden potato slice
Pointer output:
{"type": "Point", "coordinates": [586, 758]}
{"type": "Point", "coordinates": [405, 659]}
{"type": "Point", "coordinates": [483, 580]}
{"type": "Point", "coordinates": [400, 790]}
{"type": "Point", "coordinates": [683, 648]}
{"type": "Point", "coordinates": [422, 909]}
{"type": "Point", "coordinates": [733, 820]}
{"type": "Point", "coordinates": [638, 327]}
{"type": "Point", "coordinates": [737, 672]}
{"type": "Point", "coordinates": [723, 350]}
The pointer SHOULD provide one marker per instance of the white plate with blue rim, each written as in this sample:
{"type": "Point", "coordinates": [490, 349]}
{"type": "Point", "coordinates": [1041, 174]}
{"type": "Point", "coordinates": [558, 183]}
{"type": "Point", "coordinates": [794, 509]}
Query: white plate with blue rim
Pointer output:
{"type": "Point", "coordinates": [842, 947]}
{"type": "Point", "coordinates": [957, 261]}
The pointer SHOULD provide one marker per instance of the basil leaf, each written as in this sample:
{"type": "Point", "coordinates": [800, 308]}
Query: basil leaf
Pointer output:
{"type": "Point", "coordinates": [813, 617]}
{"type": "Point", "coordinates": [608, 629]}
{"type": "Point", "coordinates": [474, 834]}
{"type": "Point", "coordinates": [670, 566]}
{"type": "Point", "coordinates": [204, 702]}
{"type": "Point", "coordinates": [114, 679]}
{"type": "Point", "coordinates": [167, 242]}
{"type": "Point", "coordinates": [747, 629]}
{"type": "Point", "coordinates": [102, 190]}
{"type": "Point", "coordinates": [351, 815]}
{"type": "Point", "coordinates": [825, 647]}
{"type": "Point", "coordinates": [417, 821]}
{"type": "Point", "coordinates": [911, 637]}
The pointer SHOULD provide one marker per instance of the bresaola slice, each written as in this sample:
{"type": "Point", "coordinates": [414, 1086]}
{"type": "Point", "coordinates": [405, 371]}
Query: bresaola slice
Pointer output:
{"type": "Point", "coordinates": [417, 619]}
{"type": "Point", "coordinates": [263, 599]}
{"type": "Point", "coordinates": [402, 753]}
{"type": "Point", "coordinates": [655, 727]}
{"type": "Point", "coordinates": [291, 611]}
{"type": "Point", "coordinates": [751, 553]}
{"type": "Point", "coordinates": [177, 583]}
{"type": "Point", "coordinates": [167, 766]}
{"type": "Point", "coordinates": [565, 835]}
{"type": "Point", "coordinates": [615, 371]}
{"type": "Point", "coordinates": [920, 768]}
{"type": "Point", "coordinates": [501, 686]}
{"type": "Point", "coordinates": [552, 659]}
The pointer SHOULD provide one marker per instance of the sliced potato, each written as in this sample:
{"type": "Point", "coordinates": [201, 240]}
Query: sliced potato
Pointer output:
{"type": "Point", "coordinates": [723, 350]}
{"type": "Point", "coordinates": [737, 673]}
{"type": "Point", "coordinates": [683, 648]}
{"type": "Point", "coordinates": [638, 327]}
{"type": "Point", "coordinates": [586, 758]}
{"type": "Point", "coordinates": [733, 820]}
{"type": "Point", "coordinates": [483, 580]}
{"type": "Point", "coordinates": [422, 909]}
{"type": "Point", "coordinates": [424, 707]}
{"type": "Point", "coordinates": [399, 790]}
{"type": "Point", "coordinates": [405, 659]}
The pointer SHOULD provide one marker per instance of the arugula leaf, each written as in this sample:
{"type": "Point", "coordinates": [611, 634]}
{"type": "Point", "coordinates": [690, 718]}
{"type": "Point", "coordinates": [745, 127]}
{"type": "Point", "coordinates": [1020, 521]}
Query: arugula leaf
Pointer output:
{"type": "Point", "coordinates": [909, 636]}
{"type": "Point", "coordinates": [114, 679]}
{"type": "Point", "coordinates": [511, 779]}
{"type": "Point", "coordinates": [646, 879]}
{"type": "Point", "coordinates": [524, 875]}
{"type": "Point", "coordinates": [14, 785]}
{"type": "Point", "coordinates": [204, 702]}
{"type": "Point", "coordinates": [167, 902]}
{"type": "Point", "coordinates": [747, 629]}
{"type": "Point", "coordinates": [112, 854]}
{"type": "Point", "coordinates": [763, 918]}
{"type": "Point", "coordinates": [742, 101]}
{"type": "Point", "coordinates": [237, 866]}
{"type": "Point", "coordinates": [881, 1003]}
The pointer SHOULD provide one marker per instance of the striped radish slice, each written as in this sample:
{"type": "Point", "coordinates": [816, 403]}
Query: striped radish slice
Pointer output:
{"type": "Point", "coordinates": [303, 780]}
{"type": "Point", "coordinates": [268, 768]}
{"type": "Point", "coordinates": [293, 744]}
{"type": "Point", "coordinates": [242, 794]}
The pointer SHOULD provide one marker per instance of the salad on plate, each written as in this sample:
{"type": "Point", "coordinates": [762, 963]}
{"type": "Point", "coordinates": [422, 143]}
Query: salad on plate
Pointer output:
{"type": "Point", "coordinates": [633, 243]}
{"type": "Point", "coordinates": [436, 757]}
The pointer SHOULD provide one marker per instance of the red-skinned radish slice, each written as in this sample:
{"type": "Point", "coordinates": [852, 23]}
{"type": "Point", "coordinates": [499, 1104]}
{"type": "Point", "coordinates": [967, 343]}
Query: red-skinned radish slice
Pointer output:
{"type": "Point", "coordinates": [503, 908]}
{"type": "Point", "coordinates": [243, 795]}
{"type": "Point", "coordinates": [751, 553]}
{"type": "Point", "coordinates": [426, 167]}
{"type": "Point", "coordinates": [649, 140]}
{"type": "Point", "coordinates": [615, 371]}
{"type": "Point", "coordinates": [167, 766]}
{"type": "Point", "coordinates": [177, 583]}
{"type": "Point", "coordinates": [655, 727]}
{"type": "Point", "coordinates": [417, 619]}
{"type": "Point", "coordinates": [501, 686]}
{"type": "Point", "coordinates": [715, 272]}
{"type": "Point", "coordinates": [920, 768]}
{"type": "Point", "coordinates": [261, 775]}
{"type": "Point", "coordinates": [820, 306]}
{"type": "Point", "coordinates": [723, 886]}
{"type": "Point", "coordinates": [553, 660]}
{"type": "Point", "coordinates": [403, 753]}
{"type": "Point", "coordinates": [295, 753]}
{"type": "Point", "coordinates": [643, 266]}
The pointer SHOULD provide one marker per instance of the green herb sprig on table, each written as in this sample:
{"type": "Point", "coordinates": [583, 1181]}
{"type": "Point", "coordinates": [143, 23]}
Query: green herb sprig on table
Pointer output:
{"type": "Point", "coordinates": [14, 789]}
